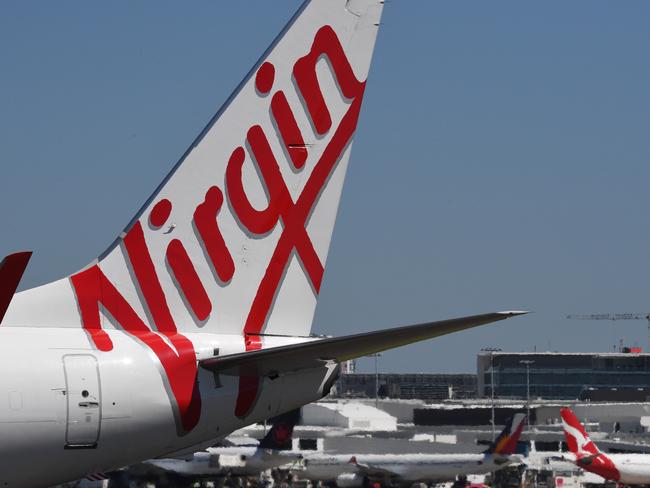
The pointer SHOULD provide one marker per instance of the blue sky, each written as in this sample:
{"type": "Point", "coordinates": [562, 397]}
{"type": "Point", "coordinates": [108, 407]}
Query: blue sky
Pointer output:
{"type": "Point", "coordinates": [501, 159]}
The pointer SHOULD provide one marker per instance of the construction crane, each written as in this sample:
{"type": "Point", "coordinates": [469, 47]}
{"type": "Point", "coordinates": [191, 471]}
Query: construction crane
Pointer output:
{"type": "Point", "coordinates": [614, 317]}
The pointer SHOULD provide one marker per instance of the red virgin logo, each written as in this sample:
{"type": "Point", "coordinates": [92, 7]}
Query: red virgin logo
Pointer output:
{"type": "Point", "coordinates": [179, 365]}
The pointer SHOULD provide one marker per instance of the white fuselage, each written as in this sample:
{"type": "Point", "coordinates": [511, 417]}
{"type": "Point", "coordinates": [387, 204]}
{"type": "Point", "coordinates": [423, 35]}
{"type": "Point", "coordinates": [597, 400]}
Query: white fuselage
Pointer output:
{"type": "Point", "coordinates": [125, 415]}
{"type": "Point", "coordinates": [221, 461]}
{"type": "Point", "coordinates": [406, 467]}
{"type": "Point", "coordinates": [633, 469]}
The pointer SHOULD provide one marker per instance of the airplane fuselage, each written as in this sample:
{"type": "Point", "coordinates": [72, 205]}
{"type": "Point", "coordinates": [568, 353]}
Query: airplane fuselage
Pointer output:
{"type": "Point", "coordinates": [405, 467]}
{"type": "Point", "coordinates": [633, 469]}
{"type": "Point", "coordinates": [238, 461]}
{"type": "Point", "coordinates": [80, 411]}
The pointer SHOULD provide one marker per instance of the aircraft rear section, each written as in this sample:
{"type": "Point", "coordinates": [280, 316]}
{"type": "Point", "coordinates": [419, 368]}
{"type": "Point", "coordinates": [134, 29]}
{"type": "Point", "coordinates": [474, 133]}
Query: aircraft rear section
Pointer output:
{"type": "Point", "coordinates": [196, 321]}
{"type": "Point", "coordinates": [88, 403]}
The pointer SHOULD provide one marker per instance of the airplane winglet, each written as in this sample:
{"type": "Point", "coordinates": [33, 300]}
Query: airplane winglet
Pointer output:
{"type": "Point", "coordinates": [513, 313]}
{"type": "Point", "coordinates": [12, 269]}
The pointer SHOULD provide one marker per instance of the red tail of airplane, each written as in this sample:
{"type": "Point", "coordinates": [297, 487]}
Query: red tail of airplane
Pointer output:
{"type": "Point", "coordinates": [587, 454]}
{"type": "Point", "coordinates": [12, 269]}
{"type": "Point", "coordinates": [576, 436]}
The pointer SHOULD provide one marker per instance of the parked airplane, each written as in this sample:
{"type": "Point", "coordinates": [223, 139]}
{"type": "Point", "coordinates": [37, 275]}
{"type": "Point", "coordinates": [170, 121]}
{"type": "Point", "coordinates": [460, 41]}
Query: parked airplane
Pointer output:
{"type": "Point", "coordinates": [353, 471]}
{"type": "Point", "coordinates": [196, 320]}
{"type": "Point", "coordinates": [628, 469]}
{"type": "Point", "coordinates": [274, 450]}
{"type": "Point", "coordinates": [87, 483]}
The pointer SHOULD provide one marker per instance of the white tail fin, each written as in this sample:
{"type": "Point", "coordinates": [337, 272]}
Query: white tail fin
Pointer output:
{"type": "Point", "coordinates": [236, 237]}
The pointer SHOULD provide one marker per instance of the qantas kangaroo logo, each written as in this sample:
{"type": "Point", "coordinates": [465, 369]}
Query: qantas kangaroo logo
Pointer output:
{"type": "Point", "coordinates": [580, 444]}
{"type": "Point", "coordinates": [577, 439]}
{"type": "Point", "coordinates": [175, 351]}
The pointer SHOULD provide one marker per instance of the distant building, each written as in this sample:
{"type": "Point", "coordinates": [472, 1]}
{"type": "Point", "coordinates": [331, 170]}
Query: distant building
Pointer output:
{"type": "Point", "coordinates": [421, 386]}
{"type": "Point", "coordinates": [466, 413]}
{"type": "Point", "coordinates": [567, 376]}
{"type": "Point", "coordinates": [347, 415]}
{"type": "Point", "coordinates": [348, 367]}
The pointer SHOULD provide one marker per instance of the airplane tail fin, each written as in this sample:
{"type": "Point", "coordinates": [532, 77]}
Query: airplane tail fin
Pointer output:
{"type": "Point", "coordinates": [235, 238]}
{"type": "Point", "coordinates": [506, 443]}
{"type": "Point", "coordinates": [576, 436]}
{"type": "Point", "coordinates": [12, 269]}
{"type": "Point", "coordinates": [280, 436]}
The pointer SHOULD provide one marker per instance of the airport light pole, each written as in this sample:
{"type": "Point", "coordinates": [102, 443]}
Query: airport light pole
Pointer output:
{"type": "Point", "coordinates": [492, 350]}
{"type": "Point", "coordinates": [376, 355]}
{"type": "Point", "coordinates": [527, 362]}
{"type": "Point", "coordinates": [492, 392]}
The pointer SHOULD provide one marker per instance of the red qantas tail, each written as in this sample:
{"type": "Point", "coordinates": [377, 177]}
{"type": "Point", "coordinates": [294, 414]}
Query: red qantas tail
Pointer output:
{"type": "Point", "coordinates": [576, 436]}
{"type": "Point", "coordinates": [588, 456]}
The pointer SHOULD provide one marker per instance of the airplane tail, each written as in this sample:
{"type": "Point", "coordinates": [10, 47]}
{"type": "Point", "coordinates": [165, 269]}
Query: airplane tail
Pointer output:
{"type": "Point", "coordinates": [280, 436]}
{"type": "Point", "coordinates": [235, 238]}
{"type": "Point", "coordinates": [12, 269]}
{"type": "Point", "coordinates": [576, 436]}
{"type": "Point", "coordinates": [506, 443]}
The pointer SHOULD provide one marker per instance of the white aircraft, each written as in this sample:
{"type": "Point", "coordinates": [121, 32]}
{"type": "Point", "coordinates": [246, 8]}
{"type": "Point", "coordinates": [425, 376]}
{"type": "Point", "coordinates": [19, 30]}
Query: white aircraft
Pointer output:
{"type": "Point", "coordinates": [196, 321]}
{"type": "Point", "coordinates": [624, 469]}
{"type": "Point", "coordinates": [407, 469]}
{"type": "Point", "coordinates": [274, 450]}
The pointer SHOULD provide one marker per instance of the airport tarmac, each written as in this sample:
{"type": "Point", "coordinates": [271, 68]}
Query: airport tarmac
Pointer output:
{"type": "Point", "coordinates": [356, 430]}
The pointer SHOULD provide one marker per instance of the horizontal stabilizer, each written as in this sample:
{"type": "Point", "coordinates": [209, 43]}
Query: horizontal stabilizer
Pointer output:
{"type": "Point", "coordinates": [275, 360]}
{"type": "Point", "coordinates": [12, 269]}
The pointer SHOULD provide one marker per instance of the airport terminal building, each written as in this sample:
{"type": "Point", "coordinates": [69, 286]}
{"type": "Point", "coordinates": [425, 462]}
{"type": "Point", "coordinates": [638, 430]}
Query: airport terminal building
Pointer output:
{"type": "Point", "coordinates": [612, 377]}
{"type": "Point", "coordinates": [420, 386]}
{"type": "Point", "coordinates": [564, 376]}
